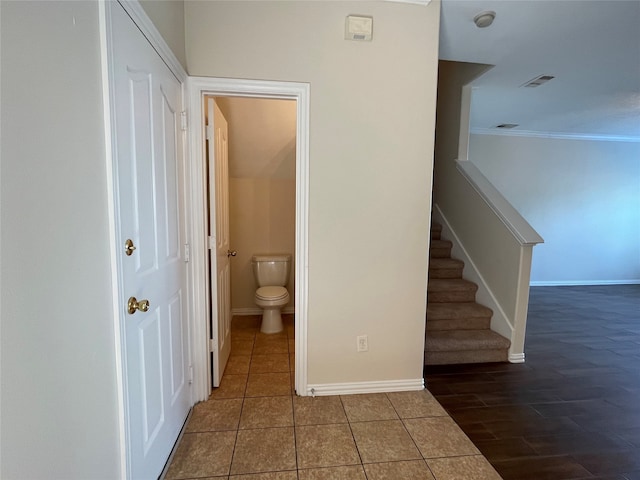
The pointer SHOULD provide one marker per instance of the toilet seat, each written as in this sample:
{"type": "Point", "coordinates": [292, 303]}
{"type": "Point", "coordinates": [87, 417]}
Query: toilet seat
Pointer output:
{"type": "Point", "coordinates": [271, 293]}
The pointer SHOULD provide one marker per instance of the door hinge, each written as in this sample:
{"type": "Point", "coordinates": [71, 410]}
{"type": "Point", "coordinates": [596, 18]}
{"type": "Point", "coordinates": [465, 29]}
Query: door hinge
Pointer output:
{"type": "Point", "coordinates": [209, 132]}
{"type": "Point", "coordinates": [190, 374]}
{"type": "Point", "coordinates": [212, 345]}
{"type": "Point", "coordinates": [212, 242]}
{"type": "Point", "coordinates": [187, 253]}
{"type": "Point", "coordinates": [183, 120]}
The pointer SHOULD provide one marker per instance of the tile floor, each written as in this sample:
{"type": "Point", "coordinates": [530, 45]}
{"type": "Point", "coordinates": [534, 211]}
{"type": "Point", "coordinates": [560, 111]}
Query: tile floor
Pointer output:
{"type": "Point", "coordinates": [254, 427]}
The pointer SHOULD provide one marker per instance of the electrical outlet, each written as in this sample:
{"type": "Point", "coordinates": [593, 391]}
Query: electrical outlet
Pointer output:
{"type": "Point", "coordinates": [362, 343]}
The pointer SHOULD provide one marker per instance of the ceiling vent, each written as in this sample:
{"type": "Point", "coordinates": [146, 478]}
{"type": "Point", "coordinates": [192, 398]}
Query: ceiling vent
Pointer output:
{"type": "Point", "coordinates": [507, 125]}
{"type": "Point", "coordinates": [536, 82]}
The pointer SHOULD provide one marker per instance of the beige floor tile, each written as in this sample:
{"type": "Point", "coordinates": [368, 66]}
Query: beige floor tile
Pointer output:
{"type": "Point", "coordinates": [202, 455]}
{"type": "Point", "coordinates": [439, 437]}
{"type": "Point", "coordinates": [353, 472]}
{"type": "Point", "coordinates": [291, 475]}
{"type": "Point", "coordinates": [384, 441]}
{"type": "Point", "coordinates": [242, 346]}
{"type": "Point", "coordinates": [262, 412]}
{"type": "Point", "coordinates": [231, 386]}
{"type": "Point", "coordinates": [411, 470]}
{"type": "Point", "coordinates": [243, 334]}
{"type": "Point", "coordinates": [277, 345]}
{"type": "Point", "coordinates": [238, 365]}
{"type": "Point", "coordinates": [276, 362]}
{"type": "Point", "coordinates": [318, 410]}
{"type": "Point", "coordinates": [246, 322]}
{"type": "Point", "coordinates": [416, 404]}
{"type": "Point", "coordinates": [325, 446]}
{"type": "Point", "coordinates": [268, 384]}
{"type": "Point", "coordinates": [264, 450]}
{"type": "Point", "coordinates": [292, 362]}
{"type": "Point", "coordinates": [215, 415]}
{"type": "Point", "coordinates": [366, 407]}
{"type": "Point", "coordinates": [463, 468]}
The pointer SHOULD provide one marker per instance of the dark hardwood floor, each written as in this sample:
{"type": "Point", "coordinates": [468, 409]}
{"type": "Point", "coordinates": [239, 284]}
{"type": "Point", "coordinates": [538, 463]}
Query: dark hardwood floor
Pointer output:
{"type": "Point", "coordinates": [572, 411]}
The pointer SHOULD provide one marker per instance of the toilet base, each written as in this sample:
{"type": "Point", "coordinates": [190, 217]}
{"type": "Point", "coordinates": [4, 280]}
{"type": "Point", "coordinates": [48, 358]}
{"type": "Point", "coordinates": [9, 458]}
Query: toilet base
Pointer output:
{"type": "Point", "coordinates": [271, 320]}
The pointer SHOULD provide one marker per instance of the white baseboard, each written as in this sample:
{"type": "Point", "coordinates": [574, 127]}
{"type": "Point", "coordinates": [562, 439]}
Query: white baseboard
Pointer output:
{"type": "Point", "coordinates": [257, 311]}
{"type": "Point", "coordinates": [516, 358]}
{"type": "Point", "coordinates": [324, 389]}
{"type": "Point", "coordinates": [575, 283]}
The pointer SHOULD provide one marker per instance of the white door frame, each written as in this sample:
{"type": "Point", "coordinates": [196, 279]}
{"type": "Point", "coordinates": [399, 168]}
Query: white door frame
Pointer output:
{"type": "Point", "coordinates": [198, 87]}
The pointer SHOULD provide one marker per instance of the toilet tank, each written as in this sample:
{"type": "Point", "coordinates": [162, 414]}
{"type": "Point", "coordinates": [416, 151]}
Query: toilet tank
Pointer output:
{"type": "Point", "coordinates": [271, 269]}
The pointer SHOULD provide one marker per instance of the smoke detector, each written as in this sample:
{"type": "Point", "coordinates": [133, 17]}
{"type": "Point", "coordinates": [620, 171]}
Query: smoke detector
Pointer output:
{"type": "Point", "coordinates": [484, 19]}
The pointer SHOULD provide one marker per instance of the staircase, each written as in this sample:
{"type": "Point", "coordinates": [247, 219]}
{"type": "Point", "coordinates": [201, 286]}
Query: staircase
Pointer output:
{"type": "Point", "coordinates": [458, 328]}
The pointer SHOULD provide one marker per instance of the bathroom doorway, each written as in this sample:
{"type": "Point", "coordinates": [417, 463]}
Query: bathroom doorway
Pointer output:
{"type": "Point", "coordinates": [252, 210]}
{"type": "Point", "coordinates": [198, 241]}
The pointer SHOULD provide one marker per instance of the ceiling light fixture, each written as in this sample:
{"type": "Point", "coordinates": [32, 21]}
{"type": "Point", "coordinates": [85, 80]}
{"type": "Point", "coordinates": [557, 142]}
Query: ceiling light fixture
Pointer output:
{"type": "Point", "coordinates": [484, 19]}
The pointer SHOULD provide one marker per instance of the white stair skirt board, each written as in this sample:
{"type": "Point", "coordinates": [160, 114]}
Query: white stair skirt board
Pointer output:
{"type": "Point", "coordinates": [325, 389]}
{"type": "Point", "coordinates": [258, 311]}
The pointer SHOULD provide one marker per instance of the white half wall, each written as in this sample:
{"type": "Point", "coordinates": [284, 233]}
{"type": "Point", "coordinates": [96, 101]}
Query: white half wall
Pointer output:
{"type": "Point", "coordinates": [582, 196]}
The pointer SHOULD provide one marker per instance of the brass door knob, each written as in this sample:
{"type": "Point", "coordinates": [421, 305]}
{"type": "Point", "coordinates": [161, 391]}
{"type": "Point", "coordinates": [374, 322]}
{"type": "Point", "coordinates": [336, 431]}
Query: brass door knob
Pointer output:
{"type": "Point", "coordinates": [129, 247]}
{"type": "Point", "coordinates": [231, 253]}
{"type": "Point", "coordinates": [133, 304]}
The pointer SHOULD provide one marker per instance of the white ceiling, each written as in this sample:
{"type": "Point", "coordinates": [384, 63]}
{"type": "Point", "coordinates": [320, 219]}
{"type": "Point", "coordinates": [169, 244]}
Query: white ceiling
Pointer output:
{"type": "Point", "coordinates": [591, 47]}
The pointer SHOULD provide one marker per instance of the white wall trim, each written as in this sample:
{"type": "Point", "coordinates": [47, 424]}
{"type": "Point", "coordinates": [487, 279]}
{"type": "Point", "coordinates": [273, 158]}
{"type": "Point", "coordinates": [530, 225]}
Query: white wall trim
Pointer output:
{"type": "Point", "coordinates": [322, 389]}
{"type": "Point", "coordinates": [153, 36]}
{"type": "Point", "coordinates": [198, 87]}
{"type": "Point", "coordinates": [569, 283]}
{"type": "Point", "coordinates": [416, 2]}
{"type": "Point", "coordinates": [516, 357]}
{"type": "Point", "coordinates": [106, 57]}
{"type": "Point", "coordinates": [563, 136]}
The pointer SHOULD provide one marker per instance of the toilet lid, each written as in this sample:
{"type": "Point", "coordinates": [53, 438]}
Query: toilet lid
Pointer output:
{"type": "Point", "coordinates": [272, 293]}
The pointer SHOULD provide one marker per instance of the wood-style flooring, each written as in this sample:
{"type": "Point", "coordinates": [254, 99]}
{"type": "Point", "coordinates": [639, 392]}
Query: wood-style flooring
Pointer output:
{"type": "Point", "coordinates": [572, 411]}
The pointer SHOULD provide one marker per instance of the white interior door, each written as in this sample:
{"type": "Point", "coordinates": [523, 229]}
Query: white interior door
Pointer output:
{"type": "Point", "coordinates": [146, 104]}
{"type": "Point", "coordinates": [217, 131]}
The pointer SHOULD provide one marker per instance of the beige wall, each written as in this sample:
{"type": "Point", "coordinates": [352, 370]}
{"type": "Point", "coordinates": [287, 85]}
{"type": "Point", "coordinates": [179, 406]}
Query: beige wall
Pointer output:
{"type": "Point", "coordinates": [58, 397]}
{"type": "Point", "coordinates": [262, 220]}
{"type": "Point", "coordinates": [168, 17]}
{"type": "Point", "coordinates": [370, 170]}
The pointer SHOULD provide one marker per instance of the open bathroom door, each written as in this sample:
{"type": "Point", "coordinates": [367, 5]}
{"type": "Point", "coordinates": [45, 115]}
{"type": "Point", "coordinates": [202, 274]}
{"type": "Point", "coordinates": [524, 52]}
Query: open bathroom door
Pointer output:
{"type": "Point", "coordinates": [219, 252]}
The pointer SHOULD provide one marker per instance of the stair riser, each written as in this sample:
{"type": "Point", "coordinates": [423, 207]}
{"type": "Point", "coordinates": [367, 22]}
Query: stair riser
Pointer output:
{"type": "Point", "coordinates": [458, 324]}
{"type": "Point", "coordinates": [440, 252]}
{"type": "Point", "coordinates": [467, 356]}
{"type": "Point", "coordinates": [451, 296]}
{"type": "Point", "coordinates": [445, 272]}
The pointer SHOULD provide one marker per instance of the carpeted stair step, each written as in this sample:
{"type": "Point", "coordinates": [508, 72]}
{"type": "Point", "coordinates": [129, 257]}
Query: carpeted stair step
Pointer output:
{"type": "Point", "coordinates": [445, 268]}
{"type": "Point", "coordinates": [458, 316]}
{"type": "Point", "coordinates": [465, 346]}
{"type": "Point", "coordinates": [436, 230]}
{"type": "Point", "coordinates": [442, 290]}
{"type": "Point", "coordinates": [440, 249]}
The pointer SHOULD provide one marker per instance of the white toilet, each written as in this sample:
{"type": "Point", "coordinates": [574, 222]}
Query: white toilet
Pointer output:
{"type": "Point", "coordinates": [272, 274]}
